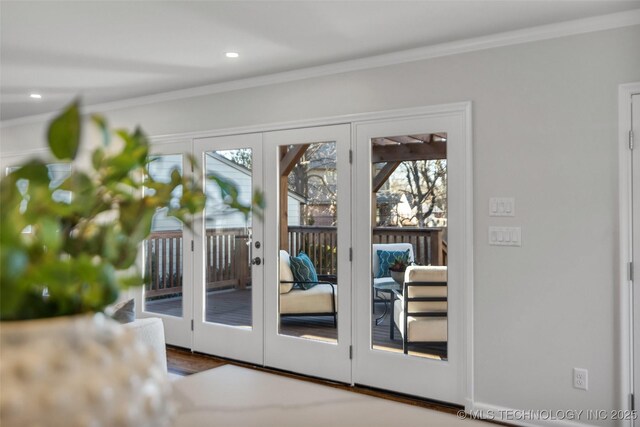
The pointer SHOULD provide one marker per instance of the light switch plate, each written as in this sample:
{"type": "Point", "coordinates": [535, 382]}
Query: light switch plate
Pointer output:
{"type": "Point", "coordinates": [502, 206]}
{"type": "Point", "coordinates": [505, 236]}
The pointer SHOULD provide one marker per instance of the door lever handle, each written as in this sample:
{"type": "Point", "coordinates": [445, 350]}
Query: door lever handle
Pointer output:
{"type": "Point", "coordinates": [256, 261]}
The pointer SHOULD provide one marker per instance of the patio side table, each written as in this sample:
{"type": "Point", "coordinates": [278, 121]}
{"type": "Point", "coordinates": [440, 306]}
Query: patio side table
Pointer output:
{"type": "Point", "coordinates": [390, 288]}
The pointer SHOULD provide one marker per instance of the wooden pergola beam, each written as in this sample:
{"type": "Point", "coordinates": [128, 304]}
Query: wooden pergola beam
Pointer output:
{"type": "Point", "coordinates": [288, 159]}
{"type": "Point", "coordinates": [436, 150]}
{"type": "Point", "coordinates": [405, 139]}
{"type": "Point", "coordinates": [408, 139]}
{"type": "Point", "coordinates": [291, 157]}
{"type": "Point", "coordinates": [383, 175]}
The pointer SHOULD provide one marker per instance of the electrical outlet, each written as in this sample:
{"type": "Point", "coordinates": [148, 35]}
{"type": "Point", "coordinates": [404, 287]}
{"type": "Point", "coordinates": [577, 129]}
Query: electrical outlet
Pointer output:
{"type": "Point", "coordinates": [580, 378]}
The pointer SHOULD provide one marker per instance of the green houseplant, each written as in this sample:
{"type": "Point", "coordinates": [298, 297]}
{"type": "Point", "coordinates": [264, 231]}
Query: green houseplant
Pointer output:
{"type": "Point", "coordinates": [400, 264]}
{"type": "Point", "coordinates": [398, 267]}
{"type": "Point", "coordinates": [79, 252]}
{"type": "Point", "coordinates": [64, 258]}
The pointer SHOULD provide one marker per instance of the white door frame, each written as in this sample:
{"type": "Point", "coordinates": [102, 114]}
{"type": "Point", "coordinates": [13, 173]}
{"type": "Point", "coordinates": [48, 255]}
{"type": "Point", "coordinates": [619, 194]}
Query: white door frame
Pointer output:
{"type": "Point", "coordinates": [625, 294]}
{"type": "Point", "coordinates": [307, 356]}
{"type": "Point", "coordinates": [233, 342]}
{"type": "Point", "coordinates": [456, 120]}
{"type": "Point", "coordinates": [177, 329]}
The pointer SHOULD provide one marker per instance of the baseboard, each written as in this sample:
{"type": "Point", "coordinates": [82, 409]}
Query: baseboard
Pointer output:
{"type": "Point", "coordinates": [525, 418]}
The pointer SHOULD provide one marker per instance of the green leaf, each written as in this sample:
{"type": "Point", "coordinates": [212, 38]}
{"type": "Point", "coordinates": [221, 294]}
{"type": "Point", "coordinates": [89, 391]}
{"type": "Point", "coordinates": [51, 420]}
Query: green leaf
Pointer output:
{"type": "Point", "coordinates": [131, 281]}
{"type": "Point", "coordinates": [14, 262]}
{"type": "Point", "coordinates": [101, 122]}
{"type": "Point", "coordinates": [64, 133]}
{"type": "Point", "coordinates": [228, 190]}
{"type": "Point", "coordinates": [35, 171]}
{"type": "Point", "coordinates": [258, 203]}
{"type": "Point", "coordinates": [49, 230]}
{"type": "Point", "coordinates": [97, 158]}
{"type": "Point", "coordinates": [176, 177]}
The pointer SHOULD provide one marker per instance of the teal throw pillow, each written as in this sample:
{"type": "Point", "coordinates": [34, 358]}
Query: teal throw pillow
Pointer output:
{"type": "Point", "coordinates": [303, 271]}
{"type": "Point", "coordinates": [387, 258]}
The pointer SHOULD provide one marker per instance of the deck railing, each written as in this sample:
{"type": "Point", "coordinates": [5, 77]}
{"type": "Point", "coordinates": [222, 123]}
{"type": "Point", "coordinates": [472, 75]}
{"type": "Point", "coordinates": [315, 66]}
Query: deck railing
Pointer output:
{"type": "Point", "coordinates": [429, 245]}
{"type": "Point", "coordinates": [163, 263]}
{"type": "Point", "coordinates": [320, 244]}
{"type": "Point", "coordinates": [228, 258]}
{"type": "Point", "coordinates": [224, 251]}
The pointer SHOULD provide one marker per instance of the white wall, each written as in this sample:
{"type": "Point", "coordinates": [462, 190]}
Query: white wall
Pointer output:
{"type": "Point", "coordinates": [545, 129]}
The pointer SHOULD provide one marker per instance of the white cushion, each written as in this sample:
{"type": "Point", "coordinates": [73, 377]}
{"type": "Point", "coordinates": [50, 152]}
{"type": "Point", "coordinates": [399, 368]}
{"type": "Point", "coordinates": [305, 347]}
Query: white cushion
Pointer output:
{"type": "Point", "coordinates": [150, 331]}
{"type": "Point", "coordinates": [424, 328]}
{"type": "Point", "coordinates": [285, 273]}
{"type": "Point", "coordinates": [428, 273]}
{"type": "Point", "coordinates": [375, 260]}
{"type": "Point", "coordinates": [417, 273]}
{"type": "Point", "coordinates": [423, 306]}
{"type": "Point", "coordinates": [421, 328]}
{"type": "Point", "coordinates": [314, 300]}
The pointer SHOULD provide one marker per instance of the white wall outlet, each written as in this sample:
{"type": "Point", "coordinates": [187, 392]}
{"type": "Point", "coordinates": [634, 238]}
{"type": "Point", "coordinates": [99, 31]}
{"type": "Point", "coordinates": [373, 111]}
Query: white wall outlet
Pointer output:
{"type": "Point", "coordinates": [505, 236]}
{"type": "Point", "coordinates": [580, 378]}
{"type": "Point", "coordinates": [502, 206]}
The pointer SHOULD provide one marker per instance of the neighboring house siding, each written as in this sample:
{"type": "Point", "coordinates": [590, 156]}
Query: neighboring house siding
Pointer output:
{"type": "Point", "coordinates": [161, 170]}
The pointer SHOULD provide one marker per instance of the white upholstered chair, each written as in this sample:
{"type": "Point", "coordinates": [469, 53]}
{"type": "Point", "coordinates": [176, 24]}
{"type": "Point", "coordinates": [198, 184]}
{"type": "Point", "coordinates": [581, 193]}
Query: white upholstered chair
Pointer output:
{"type": "Point", "coordinates": [420, 312]}
{"type": "Point", "coordinates": [320, 300]}
{"type": "Point", "coordinates": [150, 331]}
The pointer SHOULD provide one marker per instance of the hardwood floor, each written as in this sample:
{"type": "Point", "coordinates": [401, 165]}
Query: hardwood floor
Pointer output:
{"type": "Point", "coordinates": [184, 362]}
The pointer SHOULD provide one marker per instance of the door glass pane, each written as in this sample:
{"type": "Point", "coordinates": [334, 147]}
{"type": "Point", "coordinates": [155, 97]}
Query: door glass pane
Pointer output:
{"type": "Point", "coordinates": [164, 248]}
{"type": "Point", "coordinates": [228, 240]}
{"type": "Point", "coordinates": [409, 252]}
{"type": "Point", "coordinates": [308, 271]}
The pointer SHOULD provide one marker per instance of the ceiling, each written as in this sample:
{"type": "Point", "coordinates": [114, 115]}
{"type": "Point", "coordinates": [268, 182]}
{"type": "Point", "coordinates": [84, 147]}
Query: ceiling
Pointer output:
{"type": "Point", "coordinates": [114, 50]}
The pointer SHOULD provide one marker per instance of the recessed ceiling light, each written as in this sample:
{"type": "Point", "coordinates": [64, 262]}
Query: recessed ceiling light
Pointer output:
{"type": "Point", "coordinates": [35, 96]}
{"type": "Point", "coordinates": [232, 54]}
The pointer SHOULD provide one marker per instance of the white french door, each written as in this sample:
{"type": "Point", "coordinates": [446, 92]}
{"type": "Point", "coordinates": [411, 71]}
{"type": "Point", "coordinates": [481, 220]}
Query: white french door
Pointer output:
{"type": "Point", "coordinates": [228, 249]}
{"type": "Point", "coordinates": [226, 287]}
{"type": "Point", "coordinates": [407, 157]}
{"type": "Point", "coordinates": [169, 293]}
{"type": "Point", "coordinates": [308, 194]}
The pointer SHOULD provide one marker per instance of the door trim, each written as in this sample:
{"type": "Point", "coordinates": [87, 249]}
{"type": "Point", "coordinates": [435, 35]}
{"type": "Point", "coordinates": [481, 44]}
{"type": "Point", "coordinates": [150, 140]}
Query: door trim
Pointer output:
{"type": "Point", "coordinates": [625, 295]}
{"type": "Point", "coordinates": [315, 122]}
{"type": "Point", "coordinates": [462, 108]}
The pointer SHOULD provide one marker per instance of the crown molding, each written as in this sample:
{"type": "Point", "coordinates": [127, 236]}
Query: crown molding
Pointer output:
{"type": "Point", "coordinates": [527, 35]}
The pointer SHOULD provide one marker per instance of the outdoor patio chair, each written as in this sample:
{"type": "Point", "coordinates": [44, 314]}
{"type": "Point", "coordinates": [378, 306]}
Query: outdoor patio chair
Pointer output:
{"type": "Point", "coordinates": [375, 262]}
{"type": "Point", "coordinates": [420, 311]}
{"type": "Point", "coordinates": [320, 300]}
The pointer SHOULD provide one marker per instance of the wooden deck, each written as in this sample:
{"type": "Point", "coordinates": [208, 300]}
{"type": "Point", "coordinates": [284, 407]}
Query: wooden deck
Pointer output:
{"type": "Point", "coordinates": [233, 308]}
